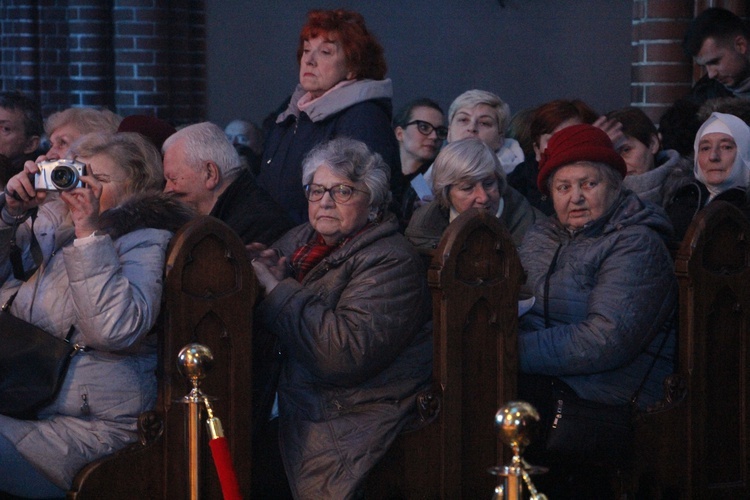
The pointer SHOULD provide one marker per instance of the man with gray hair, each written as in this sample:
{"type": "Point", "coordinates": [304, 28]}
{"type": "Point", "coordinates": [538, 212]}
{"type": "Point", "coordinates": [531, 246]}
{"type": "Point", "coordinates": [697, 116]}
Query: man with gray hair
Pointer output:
{"type": "Point", "coordinates": [202, 168]}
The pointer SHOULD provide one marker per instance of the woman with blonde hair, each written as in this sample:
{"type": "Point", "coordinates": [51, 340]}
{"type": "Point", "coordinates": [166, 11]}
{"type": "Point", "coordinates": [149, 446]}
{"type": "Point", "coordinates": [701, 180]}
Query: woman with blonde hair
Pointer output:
{"type": "Point", "coordinates": [467, 174]}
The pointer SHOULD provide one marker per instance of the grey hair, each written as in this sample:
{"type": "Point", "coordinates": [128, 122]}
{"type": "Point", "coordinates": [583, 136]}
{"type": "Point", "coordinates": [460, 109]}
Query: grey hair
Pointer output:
{"type": "Point", "coordinates": [206, 142]}
{"type": "Point", "coordinates": [467, 160]}
{"type": "Point", "coordinates": [133, 153]}
{"type": "Point", "coordinates": [611, 177]}
{"type": "Point", "coordinates": [473, 98]}
{"type": "Point", "coordinates": [85, 120]}
{"type": "Point", "coordinates": [352, 160]}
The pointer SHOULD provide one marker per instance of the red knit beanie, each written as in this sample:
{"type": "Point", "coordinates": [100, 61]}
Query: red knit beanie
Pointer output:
{"type": "Point", "coordinates": [152, 128]}
{"type": "Point", "coordinates": [581, 142]}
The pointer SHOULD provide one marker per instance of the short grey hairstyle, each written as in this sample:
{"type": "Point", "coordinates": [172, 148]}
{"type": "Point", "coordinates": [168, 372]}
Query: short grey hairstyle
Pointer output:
{"type": "Point", "coordinates": [467, 160]}
{"type": "Point", "coordinates": [85, 120]}
{"type": "Point", "coordinates": [206, 142]}
{"type": "Point", "coordinates": [473, 98]}
{"type": "Point", "coordinates": [132, 152]}
{"type": "Point", "coordinates": [352, 160]}
{"type": "Point", "coordinates": [611, 176]}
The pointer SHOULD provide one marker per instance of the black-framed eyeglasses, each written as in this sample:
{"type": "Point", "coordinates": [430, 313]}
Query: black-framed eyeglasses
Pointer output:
{"type": "Point", "coordinates": [341, 193]}
{"type": "Point", "coordinates": [426, 128]}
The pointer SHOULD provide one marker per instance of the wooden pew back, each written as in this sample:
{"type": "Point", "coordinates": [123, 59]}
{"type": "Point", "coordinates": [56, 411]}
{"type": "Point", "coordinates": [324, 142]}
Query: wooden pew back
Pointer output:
{"type": "Point", "coordinates": [475, 277]}
{"type": "Point", "coordinates": [209, 292]}
{"type": "Point", "coordinates": [713, 267]}
{"type": "Point", "coordinates": [696, 445]}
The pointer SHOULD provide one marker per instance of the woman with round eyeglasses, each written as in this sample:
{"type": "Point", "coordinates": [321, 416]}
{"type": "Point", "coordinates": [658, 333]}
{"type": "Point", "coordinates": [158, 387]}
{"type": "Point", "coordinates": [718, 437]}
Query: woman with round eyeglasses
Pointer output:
{"type": "Point", "coordinates": [467, 174]}
{"type": "Point", "coordinates": [420, 133]}
{"type": "Point", "coordinates": [347, 300]}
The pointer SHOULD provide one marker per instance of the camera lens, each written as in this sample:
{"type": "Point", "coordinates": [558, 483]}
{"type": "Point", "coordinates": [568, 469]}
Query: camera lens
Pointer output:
{"type": "Point", "coordinates": [64, 177]}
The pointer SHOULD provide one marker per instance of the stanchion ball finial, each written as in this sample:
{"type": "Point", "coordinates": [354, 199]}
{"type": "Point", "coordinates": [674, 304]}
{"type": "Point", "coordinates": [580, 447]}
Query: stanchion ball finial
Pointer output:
{"type": "Point", "coordinates": [516, 422]}
{"type": "Point", "coordinates": [194, 360]}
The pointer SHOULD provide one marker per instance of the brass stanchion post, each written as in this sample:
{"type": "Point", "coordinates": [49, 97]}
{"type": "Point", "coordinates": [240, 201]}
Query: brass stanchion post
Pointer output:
{"type": "Point", "coordinates": [515, 423]}
{"type": "Point", "coordinates": [193, 361]}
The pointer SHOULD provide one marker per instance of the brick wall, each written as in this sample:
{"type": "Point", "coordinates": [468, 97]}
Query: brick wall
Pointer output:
{"type": "Point", "coordinates": [661, 72]}
{"type": "Point", "coordinates": [131, 56]}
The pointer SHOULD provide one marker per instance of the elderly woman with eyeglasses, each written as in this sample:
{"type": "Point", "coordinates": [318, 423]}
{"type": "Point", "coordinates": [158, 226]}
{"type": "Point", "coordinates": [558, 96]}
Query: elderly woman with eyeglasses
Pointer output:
{"type": "Point", "coordinates": [467, 174]}
{"type": "Point", "coordinates": [347, 299]}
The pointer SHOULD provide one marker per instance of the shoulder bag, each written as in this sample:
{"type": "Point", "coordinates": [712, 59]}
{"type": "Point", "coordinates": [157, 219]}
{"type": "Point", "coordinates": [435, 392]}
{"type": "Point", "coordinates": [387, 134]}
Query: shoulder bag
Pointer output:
{"type": "Point", "coordinates": [589, 431]}
{"type": "Point", "coordinates": [33, 363]}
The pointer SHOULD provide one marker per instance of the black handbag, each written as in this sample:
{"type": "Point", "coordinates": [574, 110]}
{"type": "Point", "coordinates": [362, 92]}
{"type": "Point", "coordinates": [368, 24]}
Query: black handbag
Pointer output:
{"type": "Point", "coordinates": [33, 364]}
{"type": "Point", "coordinates": [593, 432]}
{"type": "Point", "coordinates": [587, 431]}
{"type": "Point", "coordinates": [590, 432]}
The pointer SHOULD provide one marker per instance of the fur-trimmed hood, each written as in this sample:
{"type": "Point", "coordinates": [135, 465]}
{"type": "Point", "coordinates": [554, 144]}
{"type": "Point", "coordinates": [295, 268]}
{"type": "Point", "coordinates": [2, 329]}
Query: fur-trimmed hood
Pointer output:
{"type": "Point", "coordinates": [145, 210]}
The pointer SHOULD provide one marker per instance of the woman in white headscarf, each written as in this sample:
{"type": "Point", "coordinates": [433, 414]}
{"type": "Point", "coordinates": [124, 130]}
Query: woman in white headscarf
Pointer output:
{"type": "Point", "coordinates": [721, 171]}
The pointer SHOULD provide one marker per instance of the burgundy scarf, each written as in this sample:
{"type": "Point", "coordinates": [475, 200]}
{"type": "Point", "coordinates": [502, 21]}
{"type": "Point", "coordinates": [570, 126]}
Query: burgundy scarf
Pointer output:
{"type": "Point", "coordinates": [311, 253]}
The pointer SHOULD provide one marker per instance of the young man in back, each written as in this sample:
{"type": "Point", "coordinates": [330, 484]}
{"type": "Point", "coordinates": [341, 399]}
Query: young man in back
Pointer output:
{"type": "Point", "coordinates": [719, 41]}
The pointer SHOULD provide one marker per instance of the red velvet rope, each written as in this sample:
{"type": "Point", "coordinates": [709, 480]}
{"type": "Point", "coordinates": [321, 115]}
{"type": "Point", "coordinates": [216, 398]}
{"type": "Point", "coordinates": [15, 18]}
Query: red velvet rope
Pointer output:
{"type": "Point", "coordinates": [223, 462]}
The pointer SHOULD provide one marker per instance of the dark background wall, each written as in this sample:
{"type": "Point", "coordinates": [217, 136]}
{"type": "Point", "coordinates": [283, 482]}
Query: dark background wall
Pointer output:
{"type": "Point", "coordinates": [528, 52]}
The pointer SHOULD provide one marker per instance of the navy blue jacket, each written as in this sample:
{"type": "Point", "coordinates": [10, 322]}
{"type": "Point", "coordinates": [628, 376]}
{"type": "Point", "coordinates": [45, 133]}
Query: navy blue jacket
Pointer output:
{"type": "Point", "coordinates": [291, 139]}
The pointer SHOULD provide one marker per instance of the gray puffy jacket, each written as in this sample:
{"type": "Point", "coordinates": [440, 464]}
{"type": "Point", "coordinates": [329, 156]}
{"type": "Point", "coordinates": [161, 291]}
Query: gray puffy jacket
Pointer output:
{"type": "Point", "coordinates": [110, 292]}
{"type": "Point", "coordinates": [612, 297]}
{"type": "Point", "coordinates": [357, 343]}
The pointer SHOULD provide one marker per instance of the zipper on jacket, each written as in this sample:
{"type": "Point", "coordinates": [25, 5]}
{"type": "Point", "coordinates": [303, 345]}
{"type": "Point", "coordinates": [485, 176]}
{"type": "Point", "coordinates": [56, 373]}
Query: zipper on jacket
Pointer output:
{"type": "Point", "coordinates": [85, 408]}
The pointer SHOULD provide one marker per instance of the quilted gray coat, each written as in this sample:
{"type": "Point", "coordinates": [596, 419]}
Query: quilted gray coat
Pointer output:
{"type": "Point", "coordinates": [358, 346]}
{"type": "Point", "coordinates": [612, 294]}
{"type": "Point", "coordinates": [110, 292]}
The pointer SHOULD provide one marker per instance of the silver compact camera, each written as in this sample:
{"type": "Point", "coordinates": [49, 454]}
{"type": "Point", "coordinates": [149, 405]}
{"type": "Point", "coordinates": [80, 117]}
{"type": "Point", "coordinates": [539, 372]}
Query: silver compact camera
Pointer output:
{"type": "Point", "coordinates": [59, 175]}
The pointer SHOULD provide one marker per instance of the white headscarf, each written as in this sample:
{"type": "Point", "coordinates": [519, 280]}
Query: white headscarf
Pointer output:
{"type": "Point", "coordinates": [739, 176]}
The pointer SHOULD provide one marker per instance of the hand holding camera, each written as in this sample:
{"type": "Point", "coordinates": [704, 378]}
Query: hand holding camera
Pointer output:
{"type": "Point", "coordinates": [59, 175]}
{"type": "Point", "coordinates": [28, 188]}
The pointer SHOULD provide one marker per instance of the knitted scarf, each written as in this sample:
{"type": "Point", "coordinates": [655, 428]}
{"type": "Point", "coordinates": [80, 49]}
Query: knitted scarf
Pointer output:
{"type": "Point", "coordinates": [306, 257]}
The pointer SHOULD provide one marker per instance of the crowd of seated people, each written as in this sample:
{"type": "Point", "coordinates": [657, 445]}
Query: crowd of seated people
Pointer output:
{"type": "Point", "coordinates": [333, 216]}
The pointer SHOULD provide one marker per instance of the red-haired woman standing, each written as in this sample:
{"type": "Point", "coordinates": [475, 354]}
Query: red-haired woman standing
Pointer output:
{"type": "Point", "coordinates": [342, 91]}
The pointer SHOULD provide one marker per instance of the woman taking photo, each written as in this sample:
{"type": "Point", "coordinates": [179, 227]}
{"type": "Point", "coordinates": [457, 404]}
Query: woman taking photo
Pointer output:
{"type": "Point", "coordinates": [100, 279]}
{"type": "Point", "coordinates": [347, 298]}
{"type": "Point", "coordinates": [342, 92]}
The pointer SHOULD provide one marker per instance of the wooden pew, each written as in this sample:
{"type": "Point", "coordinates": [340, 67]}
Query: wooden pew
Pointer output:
{"type": "Point", "coordinates": [475, 277]}
{"type": "Point", "coordinates": [696, 443]}
{"type": "Point", "coordinates": [209, 292]}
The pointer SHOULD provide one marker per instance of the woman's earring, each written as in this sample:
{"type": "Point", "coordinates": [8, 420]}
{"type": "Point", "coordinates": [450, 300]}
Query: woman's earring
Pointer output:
{"type": "Point", "coordinates": [373, 216]}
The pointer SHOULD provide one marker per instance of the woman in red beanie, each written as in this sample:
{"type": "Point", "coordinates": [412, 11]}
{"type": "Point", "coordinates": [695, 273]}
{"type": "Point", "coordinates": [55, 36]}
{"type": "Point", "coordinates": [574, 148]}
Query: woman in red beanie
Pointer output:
{"type": "Point", "coordinates": [605, 292]}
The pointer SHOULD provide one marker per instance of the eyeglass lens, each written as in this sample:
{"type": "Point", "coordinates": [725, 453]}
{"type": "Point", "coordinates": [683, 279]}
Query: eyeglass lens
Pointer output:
{"type": "Point", "coordinates": [426, 128]}
{"type": "Point", "coordinates": [340, 194]}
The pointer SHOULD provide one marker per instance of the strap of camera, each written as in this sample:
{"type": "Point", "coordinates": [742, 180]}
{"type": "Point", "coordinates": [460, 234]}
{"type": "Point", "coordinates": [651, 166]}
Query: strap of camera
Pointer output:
{"type": "Point", "coordinates": [16, 254]}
